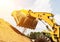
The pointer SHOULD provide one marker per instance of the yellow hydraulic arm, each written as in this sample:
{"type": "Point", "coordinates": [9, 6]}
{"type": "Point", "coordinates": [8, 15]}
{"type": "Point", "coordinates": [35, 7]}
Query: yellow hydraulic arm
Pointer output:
{"type": "Point", "coordinates": [47, 17]}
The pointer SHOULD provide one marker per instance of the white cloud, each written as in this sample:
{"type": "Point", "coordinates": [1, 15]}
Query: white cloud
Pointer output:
{"type": "Point", "coordinates": [35, 5]}
{"type": "Point", "coordinates": [42, 6]}
{"type": "Point", "coordinates": [57, 19]}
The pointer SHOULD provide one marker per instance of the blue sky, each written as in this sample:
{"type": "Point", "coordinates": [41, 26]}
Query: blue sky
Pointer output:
{"type": "Point", "coordinates": [55, 6]}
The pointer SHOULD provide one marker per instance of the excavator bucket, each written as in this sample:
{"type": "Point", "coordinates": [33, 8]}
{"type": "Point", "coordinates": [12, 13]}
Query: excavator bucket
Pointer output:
{"type": "Point", "coordinates": [24, 20]}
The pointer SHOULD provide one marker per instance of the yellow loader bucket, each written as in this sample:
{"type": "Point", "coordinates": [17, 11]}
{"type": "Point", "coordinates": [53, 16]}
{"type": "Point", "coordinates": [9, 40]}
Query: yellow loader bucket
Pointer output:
{"type": "Point", "coordinates": [24, 19]}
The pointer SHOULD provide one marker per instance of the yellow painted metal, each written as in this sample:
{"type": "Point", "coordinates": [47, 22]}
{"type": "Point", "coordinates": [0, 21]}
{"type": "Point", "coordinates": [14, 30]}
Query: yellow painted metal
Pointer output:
{"type": "Point", "coordinates": [42, 16]}
{"type": "Point", "coordinates": [23, 19]}
{"type": "Point", "coordinates": [10, 34]}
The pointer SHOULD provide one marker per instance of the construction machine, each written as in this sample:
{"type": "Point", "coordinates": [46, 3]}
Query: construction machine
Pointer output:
{"type": "Point", "coordinates": [29, 19]}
